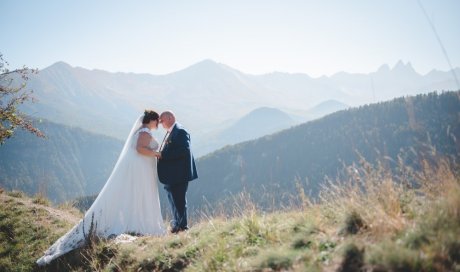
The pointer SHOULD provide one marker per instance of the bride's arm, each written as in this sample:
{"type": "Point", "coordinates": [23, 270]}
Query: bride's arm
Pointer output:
{"type": "Point", "coordinates": [142, 146]}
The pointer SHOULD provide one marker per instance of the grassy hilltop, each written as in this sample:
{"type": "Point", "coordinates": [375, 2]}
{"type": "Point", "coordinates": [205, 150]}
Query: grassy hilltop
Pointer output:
{"type": "Point", "coordinates": [409, 221]}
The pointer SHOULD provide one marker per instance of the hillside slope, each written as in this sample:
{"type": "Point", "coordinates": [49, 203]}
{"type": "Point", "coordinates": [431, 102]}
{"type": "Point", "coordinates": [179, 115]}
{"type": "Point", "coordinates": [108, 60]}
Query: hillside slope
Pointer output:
{"type": "Point", "coordinates": [310, 152]}
{"type": "Point", "coordinates": [383, 227]}
{"type": "Point", "coordinates": [27, 227]}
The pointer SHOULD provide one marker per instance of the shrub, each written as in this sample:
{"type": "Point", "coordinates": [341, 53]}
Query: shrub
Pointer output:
{"type": "Point", "coordinates": [301, 243]}
{"type": "Point", "coordinates": [353, 224]}
{"type": "Point", "coordinates": [41, 199]}
{"type": "Point", "coordinates": [17, 194]}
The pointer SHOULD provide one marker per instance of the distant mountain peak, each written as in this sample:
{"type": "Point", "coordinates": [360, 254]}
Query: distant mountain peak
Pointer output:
{"type": "Point", "coordinates": [400, 64]}
{"type": "Point", "coordinates": [261, 121]}
{"type": "Point", "coordinates": [59, 65]}
{"type": "Point", "coordinates": [208, 67]}
{"type": "Point", "coordinates": [265, 110]}
{"type": "Point", "coordinates": [329, 106]}
{"type": "Point", "coordinates": [207, 63]}
{"type": "Point", "coordinates": [266, 113]}
{"type": "Point", "coordinates": [400, 67]}
{"type": "Point", "coordinates": [384, 68]}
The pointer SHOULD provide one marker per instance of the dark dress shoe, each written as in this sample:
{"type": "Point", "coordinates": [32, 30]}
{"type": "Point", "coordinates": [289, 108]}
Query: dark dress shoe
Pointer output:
{"type": "Point", "coordinates": [177, 230]}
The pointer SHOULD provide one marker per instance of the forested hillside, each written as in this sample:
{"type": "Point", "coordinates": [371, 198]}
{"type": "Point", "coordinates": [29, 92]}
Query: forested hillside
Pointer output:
{"type": "Point", "coordinates": [308, 153]}
{"type": "Point", "coordinates": [69, 163]}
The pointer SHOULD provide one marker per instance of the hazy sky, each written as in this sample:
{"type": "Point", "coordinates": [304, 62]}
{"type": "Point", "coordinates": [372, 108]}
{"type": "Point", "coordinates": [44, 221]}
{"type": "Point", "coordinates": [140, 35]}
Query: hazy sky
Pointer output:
{"type": "Point", "coordinates": [313, 37]}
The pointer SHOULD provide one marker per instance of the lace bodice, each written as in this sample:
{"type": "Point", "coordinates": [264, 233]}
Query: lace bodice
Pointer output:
{"type": "Point", "coordinates": [153, 143]}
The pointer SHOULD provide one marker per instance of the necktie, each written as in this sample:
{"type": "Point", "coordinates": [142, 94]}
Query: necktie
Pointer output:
{"type": "Point", "coordinates": [164, 140]}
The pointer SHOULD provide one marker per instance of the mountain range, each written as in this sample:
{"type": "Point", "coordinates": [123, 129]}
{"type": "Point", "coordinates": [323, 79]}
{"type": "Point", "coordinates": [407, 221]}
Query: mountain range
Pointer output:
{"type": "Point", "coordinates": [72, 162]}
{"type": "Point", "coordinates": [209, 97]}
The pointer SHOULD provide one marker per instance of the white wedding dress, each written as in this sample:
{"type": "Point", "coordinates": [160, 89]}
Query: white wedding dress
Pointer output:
{"type": "Point", "coordinates": [128, 203]}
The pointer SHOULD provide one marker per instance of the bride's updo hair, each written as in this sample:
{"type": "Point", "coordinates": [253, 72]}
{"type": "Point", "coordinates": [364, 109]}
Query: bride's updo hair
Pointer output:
{"type": "Point", "coordinates": [150, 115]}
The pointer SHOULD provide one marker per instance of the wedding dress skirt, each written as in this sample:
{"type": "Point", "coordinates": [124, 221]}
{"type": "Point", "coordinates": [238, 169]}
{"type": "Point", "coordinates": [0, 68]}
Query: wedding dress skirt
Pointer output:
{"type": "Point", "coordinates": [128, 203]}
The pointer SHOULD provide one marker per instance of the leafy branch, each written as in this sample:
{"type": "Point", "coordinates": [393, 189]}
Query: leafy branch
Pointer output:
{"type": "Point", "coordinates": [11, 97]}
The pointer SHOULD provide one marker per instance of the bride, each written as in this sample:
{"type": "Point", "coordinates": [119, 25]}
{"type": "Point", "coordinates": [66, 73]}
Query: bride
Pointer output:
{"type": "Point", "coordinates": [129, 201]}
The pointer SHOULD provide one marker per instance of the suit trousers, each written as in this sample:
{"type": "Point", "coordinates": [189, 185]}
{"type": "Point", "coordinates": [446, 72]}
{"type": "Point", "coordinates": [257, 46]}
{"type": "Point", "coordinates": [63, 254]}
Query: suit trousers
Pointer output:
{"type": "Point", "coordinates": [177, 199]}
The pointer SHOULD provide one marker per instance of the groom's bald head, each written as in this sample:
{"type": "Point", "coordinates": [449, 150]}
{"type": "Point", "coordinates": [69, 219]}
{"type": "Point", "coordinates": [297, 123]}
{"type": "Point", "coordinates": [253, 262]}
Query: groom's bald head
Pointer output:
{"type": "Point", "coordinates": [167, 119]}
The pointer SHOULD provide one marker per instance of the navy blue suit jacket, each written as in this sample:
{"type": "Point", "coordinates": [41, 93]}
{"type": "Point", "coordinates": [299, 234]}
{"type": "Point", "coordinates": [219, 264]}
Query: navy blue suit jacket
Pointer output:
{"type": "Point", "coordinates": [177, 164]}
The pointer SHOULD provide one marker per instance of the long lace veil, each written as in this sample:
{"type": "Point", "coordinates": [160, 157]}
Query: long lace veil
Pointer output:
{"type": "Point", "coordinates": [126, 152]}
{"type": "Point", "coordinates": [129, 141]}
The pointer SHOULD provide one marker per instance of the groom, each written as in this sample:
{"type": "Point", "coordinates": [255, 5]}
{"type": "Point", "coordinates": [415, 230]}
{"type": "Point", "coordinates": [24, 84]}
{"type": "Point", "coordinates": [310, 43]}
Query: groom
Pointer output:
{"type": "Point", "coordinates": [176, 167]}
